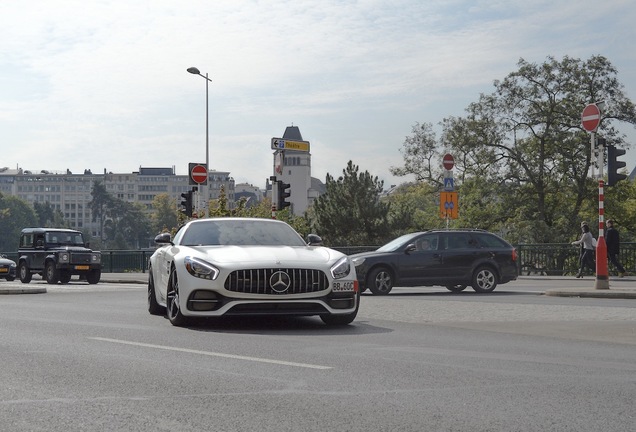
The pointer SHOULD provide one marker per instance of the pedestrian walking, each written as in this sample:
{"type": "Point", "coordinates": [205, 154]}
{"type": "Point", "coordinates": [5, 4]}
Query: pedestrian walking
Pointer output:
{"type": "Point", "coordinates": [613, 242]}
{"type": "Point", "coordinates": [587, 244]}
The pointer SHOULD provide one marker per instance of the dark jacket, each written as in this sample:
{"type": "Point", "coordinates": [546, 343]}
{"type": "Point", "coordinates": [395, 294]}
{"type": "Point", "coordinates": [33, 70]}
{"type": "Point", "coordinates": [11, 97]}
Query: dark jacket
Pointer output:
{"type": "Point", "coordinates": [612, 240]}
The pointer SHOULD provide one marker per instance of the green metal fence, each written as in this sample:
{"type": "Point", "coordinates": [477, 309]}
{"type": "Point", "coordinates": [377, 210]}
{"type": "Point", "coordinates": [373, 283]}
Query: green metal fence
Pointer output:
{"type": "Point", "coordinates": [551, 259]}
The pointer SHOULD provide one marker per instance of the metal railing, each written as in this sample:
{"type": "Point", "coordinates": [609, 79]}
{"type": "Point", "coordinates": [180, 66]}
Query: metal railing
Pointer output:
{"type": "Point", "coordinates": [547, 259]}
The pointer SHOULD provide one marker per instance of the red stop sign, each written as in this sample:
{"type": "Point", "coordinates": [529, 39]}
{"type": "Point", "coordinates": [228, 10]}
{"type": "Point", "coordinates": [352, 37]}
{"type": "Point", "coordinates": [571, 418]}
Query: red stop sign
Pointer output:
{"type": "Point", "coordinates": [448, 161]}
{"type": "Point", "coordinates": [591, 117]}
{"type": "Point", "coordinates": [199, 174]}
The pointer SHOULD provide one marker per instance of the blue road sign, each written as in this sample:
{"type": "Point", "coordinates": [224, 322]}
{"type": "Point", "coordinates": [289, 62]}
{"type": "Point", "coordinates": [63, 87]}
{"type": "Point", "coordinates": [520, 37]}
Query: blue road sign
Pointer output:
{"type": "Point", "coordinates": [449, 184]}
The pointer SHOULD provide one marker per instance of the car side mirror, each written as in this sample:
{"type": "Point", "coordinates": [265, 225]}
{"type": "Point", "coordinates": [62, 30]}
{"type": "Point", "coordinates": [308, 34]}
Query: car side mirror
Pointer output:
{"type": "Point", "coordinates": [314, 240]}
{"type": "Point", "coordinates": [163, 238]}
{"type": "Point", "coordinates": [410, 248]}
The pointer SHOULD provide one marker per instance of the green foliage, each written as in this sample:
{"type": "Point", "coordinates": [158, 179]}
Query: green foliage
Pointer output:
{"type": "Point", "coordinates": [48, 216]}
{"type": "Point", "coordinates": [123, 225]}
{"type": "Point", "coordinates": [15, 214]}
{"type": "Point", "coordinates": [351, 212]}
{"type": "Point", "coordinates": [522, 158]}
{"type": "Point", "coordinates": [164, 215]}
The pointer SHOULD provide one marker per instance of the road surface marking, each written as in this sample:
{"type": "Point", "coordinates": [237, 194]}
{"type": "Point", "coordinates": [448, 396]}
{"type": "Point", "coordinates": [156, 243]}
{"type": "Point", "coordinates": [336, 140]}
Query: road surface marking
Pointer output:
{"type": "Point", "coordinates": [213, 354]}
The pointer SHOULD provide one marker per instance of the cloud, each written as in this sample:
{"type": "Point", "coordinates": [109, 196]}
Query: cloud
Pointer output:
{"type": "Point", "coordinates": [104, 83]}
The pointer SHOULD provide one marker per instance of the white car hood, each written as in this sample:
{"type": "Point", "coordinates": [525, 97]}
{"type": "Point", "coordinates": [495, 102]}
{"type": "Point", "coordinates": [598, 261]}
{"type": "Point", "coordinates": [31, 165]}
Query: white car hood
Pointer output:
{"type": "Point", "coordinates": [266, 256]}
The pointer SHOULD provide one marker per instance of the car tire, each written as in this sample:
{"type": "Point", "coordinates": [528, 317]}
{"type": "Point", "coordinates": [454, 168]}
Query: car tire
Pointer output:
{"type": "Point", "coordinates": [93, 276]}
{"type": "Point", "coordinates": [173, 302]}
{"type": "Point", "coordinates": [51, 274]}
{"type": "Point", "coordinates": [456, 288]}
{"type": "Point", "coordinates": [65, 276]}
{"type": "Point", "coordinates": [342, 320]}
{"type": "Point", "coordinates": [484, 279]}
{"type": "Point", "coordinates": [25, 273]}
{"type": "Point", "coordinates": [380, 281]}
{"type": "Point", "coordinates": [154, 308]}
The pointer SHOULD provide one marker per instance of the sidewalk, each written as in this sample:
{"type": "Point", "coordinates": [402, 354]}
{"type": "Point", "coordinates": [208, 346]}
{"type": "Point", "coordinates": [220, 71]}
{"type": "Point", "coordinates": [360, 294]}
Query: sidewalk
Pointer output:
{"type": "Point", "coordinates": [621, 288]}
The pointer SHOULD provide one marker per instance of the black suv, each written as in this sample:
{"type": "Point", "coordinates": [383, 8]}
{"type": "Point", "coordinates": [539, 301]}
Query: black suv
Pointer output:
{"type": "Point", "coordinates": [450, 258]}
{"type": "Point", "coordinates": [57, 254]}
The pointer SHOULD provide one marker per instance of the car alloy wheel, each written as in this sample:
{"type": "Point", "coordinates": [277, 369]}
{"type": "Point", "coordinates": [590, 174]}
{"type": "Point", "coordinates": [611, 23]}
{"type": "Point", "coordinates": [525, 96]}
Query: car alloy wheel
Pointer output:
{"type": "Point", "coordinates": [484, 280]}
{"type": "Point", "coordinates": [173, 307]}
{"type": "Point", "coordinates": [380, 281]}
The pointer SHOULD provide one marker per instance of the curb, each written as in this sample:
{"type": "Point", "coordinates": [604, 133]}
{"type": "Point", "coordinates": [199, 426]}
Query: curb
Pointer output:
{"type": "Point", "coordinates": [38, 290]}
{"type": "Point", "coordinates": [592, 293]}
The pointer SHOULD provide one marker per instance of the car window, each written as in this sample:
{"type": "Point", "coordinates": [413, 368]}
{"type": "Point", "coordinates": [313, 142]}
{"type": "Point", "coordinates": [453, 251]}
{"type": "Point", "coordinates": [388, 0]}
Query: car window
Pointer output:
{"type": "Point", "coordinates": [427, 242]}
{"type": "Point", "coordinates": [487, 240]}
{"type": "Point", "coordinates": [241, 233]}
{"type": "Point", "coordinates": [459, 241]}
{"type": "Point", "coordinates": [395, 244]}
{"type": "Point", "coordinates": [26, 241]}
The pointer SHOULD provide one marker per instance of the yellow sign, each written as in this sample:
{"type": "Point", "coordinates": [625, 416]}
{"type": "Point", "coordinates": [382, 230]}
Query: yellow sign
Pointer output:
{"type": "Point", "coordinates": [448, 205]}
{"type": "Point", "coordinates": [283, 144]}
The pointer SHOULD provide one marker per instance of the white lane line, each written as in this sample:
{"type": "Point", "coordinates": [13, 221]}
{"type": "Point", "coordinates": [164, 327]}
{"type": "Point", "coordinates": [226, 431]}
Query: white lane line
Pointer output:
{"type": "Point", "coordinates": [213, 354]}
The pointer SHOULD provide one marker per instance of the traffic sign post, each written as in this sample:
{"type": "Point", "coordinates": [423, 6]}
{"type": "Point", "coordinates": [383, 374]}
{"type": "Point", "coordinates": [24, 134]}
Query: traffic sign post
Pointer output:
{"type": "Point", "coordinates": [591, 118]}
{"type": "Point", "coordinates": [284, 144]}
{"type": "Point", "coordinates": [448, 161]}
{"type": "Point", "coordinates": [448, 205]}
{"type": "Point", "coordinates": [198, 174]}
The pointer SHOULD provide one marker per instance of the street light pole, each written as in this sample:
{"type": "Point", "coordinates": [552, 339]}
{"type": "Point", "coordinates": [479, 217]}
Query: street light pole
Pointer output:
{"type": "Point", "coordinates": [196, 71]}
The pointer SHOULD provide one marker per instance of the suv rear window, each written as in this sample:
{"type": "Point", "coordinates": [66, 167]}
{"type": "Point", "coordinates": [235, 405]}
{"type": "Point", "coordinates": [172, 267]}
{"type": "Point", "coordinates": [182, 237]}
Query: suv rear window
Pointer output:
{"type": "Point", "coordinates": [488, 240]}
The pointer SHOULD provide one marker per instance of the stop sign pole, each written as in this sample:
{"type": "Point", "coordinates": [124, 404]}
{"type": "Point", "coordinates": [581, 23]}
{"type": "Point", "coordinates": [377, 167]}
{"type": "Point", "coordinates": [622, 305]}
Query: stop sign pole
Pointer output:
{"type": "Point", "coordinates": [590, 120]}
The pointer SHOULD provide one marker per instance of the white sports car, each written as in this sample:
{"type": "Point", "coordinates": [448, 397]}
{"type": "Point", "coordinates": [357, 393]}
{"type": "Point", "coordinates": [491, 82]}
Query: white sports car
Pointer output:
{"type": "Point", "coordinates": [249, 266]}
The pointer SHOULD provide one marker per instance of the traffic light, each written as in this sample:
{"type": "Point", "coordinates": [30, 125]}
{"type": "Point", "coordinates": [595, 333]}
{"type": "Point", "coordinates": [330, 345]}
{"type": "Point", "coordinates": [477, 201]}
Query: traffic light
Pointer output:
{"type": "Point", "coordinates": [186, 203]}
{"type": "Point", "coordinates": [282, 195]}
{"type": "Point", "coordinates": [614, 165]}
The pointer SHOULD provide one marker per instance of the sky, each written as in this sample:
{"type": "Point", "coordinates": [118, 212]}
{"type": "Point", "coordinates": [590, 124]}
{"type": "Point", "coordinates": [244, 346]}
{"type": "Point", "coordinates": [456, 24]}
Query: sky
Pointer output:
{"type": "Point", "coordinates": [102, 85]}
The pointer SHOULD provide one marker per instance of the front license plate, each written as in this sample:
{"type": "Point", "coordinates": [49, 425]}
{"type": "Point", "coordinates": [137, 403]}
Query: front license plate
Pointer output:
{"type": "Point", "coordinates": [4, 270]}
{"type": "Point", "coordinates": [82, 267]}
{"type": "Point", "coordinates": [342, 286]}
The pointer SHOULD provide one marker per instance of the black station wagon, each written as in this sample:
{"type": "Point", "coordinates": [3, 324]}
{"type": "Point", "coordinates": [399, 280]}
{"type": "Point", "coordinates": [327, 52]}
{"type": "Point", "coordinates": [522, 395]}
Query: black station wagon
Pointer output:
{"type": "Point", "coordinates": [454, 259]}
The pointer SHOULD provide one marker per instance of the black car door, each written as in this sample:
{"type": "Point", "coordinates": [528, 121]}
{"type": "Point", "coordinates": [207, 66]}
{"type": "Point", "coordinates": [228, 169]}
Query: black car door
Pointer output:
{"type": "Point", "coordinates": [418, 266]}
{"type": "Point", "coordinates": [458, 255]}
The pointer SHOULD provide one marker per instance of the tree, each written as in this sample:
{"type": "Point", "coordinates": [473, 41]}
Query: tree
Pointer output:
{"type": "Point", "coordinates": [164, 216]}
{"type": "Point", "coordinates": [350, 212]}
{"type": "Point", "coordinates": [99, 205]}
{"type": "Point", "coordinates": [521, 154]}
{"type": "Point", "coordinates": [15, 214]}
{"type": "Point", "coordinates": [48, 216]}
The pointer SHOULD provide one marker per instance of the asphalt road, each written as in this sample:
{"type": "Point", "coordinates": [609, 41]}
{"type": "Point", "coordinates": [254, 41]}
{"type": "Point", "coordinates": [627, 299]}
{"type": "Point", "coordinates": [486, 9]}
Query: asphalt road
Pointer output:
{"type": "Point", "coordinates": [90, 358]}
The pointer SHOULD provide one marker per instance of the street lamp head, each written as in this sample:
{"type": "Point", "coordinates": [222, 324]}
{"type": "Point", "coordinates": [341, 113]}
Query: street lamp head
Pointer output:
{"type": "Point", "coordinates": [194, 70]}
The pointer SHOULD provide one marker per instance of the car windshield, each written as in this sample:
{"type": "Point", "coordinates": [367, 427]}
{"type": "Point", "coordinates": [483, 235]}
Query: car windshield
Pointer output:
{"type": "Point", "coordinates": [241, 232]}
{"type": "Point", "coordinates": [64, 238]}
{"type": "Point", "coordinates": [395, 244]}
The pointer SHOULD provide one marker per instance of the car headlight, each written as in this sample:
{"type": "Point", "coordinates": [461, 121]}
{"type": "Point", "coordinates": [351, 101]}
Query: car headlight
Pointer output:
{"type": "Point", "coordinates": [358, 261]}
{"type": "Point", "coordinates": [96, 257]}
{"type": "Point", "coordinates": [13, 265]}
{"type": "Point", "coordinates": [64, 257]}
{"type": "Point", "coordinates": [341, 268]}
{"type": "Point", "coordinates": [199, 268]}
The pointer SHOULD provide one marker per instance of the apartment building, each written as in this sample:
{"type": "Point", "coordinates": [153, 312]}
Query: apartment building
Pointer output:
{"type": "Point", "coordinates": [71, 193]}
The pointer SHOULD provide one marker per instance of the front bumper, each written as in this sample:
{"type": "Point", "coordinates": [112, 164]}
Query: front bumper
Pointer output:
{"type": "Point", "coordinates": [203, 302]}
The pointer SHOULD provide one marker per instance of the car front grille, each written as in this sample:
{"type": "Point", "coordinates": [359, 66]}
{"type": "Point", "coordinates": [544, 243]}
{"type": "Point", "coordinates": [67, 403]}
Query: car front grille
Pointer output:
{"type": "Point", "coordinates": [276, 281]}
{"type": "Point", "coordinates": [80, 258]}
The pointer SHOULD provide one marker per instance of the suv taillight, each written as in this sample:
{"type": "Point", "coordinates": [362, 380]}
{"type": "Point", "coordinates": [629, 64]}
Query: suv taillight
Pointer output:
{"type": "Point", "coordinates": [514, 254]}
